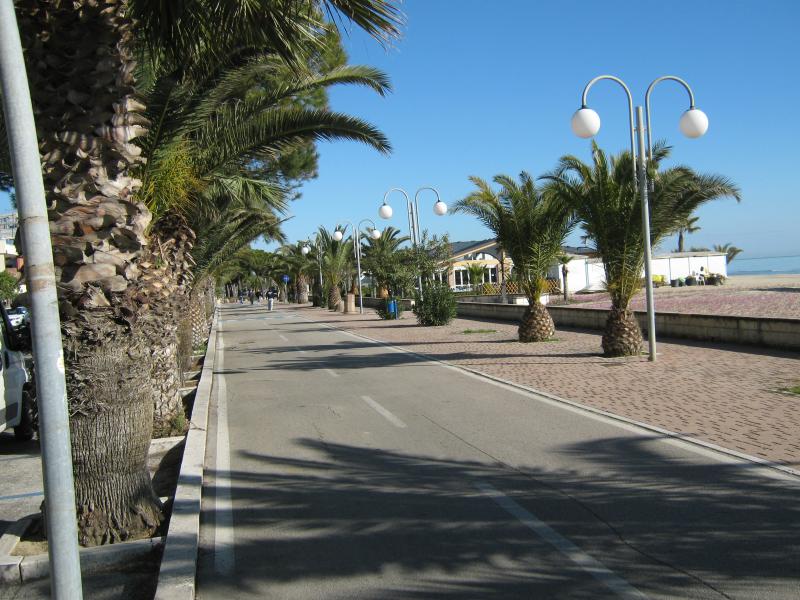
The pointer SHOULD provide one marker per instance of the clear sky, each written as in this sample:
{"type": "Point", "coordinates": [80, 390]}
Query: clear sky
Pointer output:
{"type": "Point", "coordinates": [484, 87]}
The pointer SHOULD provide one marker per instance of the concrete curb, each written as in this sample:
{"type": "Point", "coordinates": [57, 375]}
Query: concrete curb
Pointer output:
{"type": "Point", "coordinates": [176, 578]}
{"type": "Point", "coordinates": [673, 435]}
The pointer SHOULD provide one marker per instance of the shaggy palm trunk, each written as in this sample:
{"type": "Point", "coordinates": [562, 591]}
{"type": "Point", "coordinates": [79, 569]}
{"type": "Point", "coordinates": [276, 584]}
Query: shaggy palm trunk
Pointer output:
{"type": "Point", "coordinates": [334, 298]}
{"type": "Point", "coordinates": [80, 65]}
{"type": "Point", "coordinates": [537, 324]}
{"type": "Point", "coordinates": [198, 300]}
{"type": "Point", "coordinates": [622, 336]}
{"type": "Point", "coordinates": [301, 289]}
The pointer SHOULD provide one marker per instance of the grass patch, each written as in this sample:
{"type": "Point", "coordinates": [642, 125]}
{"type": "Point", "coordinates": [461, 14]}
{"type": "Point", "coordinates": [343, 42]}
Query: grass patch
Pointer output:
{"type": "Point", "coordinates": [793, 390]}
{"type": "Point", "coordinates": [466, 331]}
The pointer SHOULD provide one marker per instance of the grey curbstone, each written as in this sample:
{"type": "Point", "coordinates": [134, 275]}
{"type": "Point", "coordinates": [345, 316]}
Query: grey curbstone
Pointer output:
{"type": "Point", "coordinates": [176, 578]}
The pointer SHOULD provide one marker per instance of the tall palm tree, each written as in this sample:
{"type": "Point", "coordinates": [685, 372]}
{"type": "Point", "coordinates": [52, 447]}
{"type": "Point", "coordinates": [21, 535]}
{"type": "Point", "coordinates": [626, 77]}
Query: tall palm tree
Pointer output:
{"type": "Point", "coordinates": [382, 259]}
{"type": "Point", "coordinates": [687, 225]}
{"type": "Point", "coordinates": [729, 250]}
{"type": "Point", "coordinates": [81, 63]}
{"type": "Point", "coordinates": [531, 229]}
{"type": "Point", "coordinates": [604, 197]}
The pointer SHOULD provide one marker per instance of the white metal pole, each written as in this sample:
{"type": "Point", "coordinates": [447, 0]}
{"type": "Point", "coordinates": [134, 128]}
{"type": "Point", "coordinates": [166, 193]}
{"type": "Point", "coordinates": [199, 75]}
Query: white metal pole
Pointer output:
{"type": "Point", "coordinates": [59, 490]}
{"type": "Point", "coordinates": [642, 167]}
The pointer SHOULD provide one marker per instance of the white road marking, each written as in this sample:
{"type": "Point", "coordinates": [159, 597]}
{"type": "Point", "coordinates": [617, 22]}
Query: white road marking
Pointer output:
{"type": "Point", "coordinates": [331, 372]}
{"type": "Point", "coordinates": [224, 557]}
{"type": "Point", "coordinates": [383, 412]}
{"type": "Point", "coordinates": [596, 569]}
{"type": "Point", "coordinates": [283, 337]}
{"type": "Point", "coordinates": [300, 350]}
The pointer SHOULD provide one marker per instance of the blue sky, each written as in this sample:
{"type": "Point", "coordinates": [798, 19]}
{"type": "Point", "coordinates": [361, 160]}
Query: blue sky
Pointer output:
{"type": "Point", "coordinates": [482, 88]}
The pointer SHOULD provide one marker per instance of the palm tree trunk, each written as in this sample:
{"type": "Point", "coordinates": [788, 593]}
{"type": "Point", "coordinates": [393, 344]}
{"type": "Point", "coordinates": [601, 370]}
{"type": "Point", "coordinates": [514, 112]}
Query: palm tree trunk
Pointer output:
{"type": "Point", "coordinates": [537, 324]}
{"type": "Point", "coordinates": [301, 289]}
{"type": "Point", "coordinates": [80, 64]}
{"type": "Point", "coordinates": [334, 298]}
{"type": "Point", "coordinates": [622, 336]}
{"type": "Point", "coordinates": [680, 240]}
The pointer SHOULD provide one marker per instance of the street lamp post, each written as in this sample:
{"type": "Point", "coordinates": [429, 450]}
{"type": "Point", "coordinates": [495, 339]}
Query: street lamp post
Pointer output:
{"type": "Point", "coordinates": [306, 249]}
{"type": "Point", "coordinates": [693, 124]}
{"type": "Point", "coordinates": [439, 208]}
{"type": "Point", "coordinates": [338, 235]}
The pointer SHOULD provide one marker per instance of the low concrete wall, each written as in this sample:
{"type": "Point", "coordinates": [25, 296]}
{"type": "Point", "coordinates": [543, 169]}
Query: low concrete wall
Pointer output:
{"type": "Point", "coordinates": [405, 303]}
{"type": "Point", "coordinates": [764, 331]}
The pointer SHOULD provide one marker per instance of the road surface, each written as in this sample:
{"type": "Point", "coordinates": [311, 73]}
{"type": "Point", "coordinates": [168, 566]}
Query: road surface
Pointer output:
{"type": "Point", "coordinates": [340, 468]}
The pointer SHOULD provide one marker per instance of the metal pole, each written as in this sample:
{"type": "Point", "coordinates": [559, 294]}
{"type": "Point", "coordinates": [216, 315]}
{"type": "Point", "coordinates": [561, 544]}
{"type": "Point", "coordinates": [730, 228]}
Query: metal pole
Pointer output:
{"type": "Point", "coordinates": [357, 250]}
{"type": "Point", "coordinates": [642, 166]}
{"type": "Point", "coordinates": [59, 490]}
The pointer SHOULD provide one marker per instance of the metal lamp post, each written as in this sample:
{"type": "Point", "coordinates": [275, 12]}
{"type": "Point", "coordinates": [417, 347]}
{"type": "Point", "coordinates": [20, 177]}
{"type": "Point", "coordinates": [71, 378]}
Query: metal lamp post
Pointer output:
{"type": "Point", "coordinates": [439, 208]}
{"type": "Point", "coordinates": [338, 235]}
{"type": "Point", "coordinates": [693, 124]}
{"type": "Point", "coordinates": [307, 244]}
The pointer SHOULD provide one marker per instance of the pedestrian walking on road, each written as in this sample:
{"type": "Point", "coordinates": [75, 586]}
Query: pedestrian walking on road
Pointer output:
{"type": "Point", "coordinates": [271, 295]}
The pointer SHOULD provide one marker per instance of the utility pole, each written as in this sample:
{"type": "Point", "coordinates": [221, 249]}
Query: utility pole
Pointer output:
{"type": "Point", "coordinates": [59, 489]}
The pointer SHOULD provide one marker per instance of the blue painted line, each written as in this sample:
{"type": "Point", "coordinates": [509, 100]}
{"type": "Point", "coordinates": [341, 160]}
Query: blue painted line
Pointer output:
{"type": "Point", "coordinates": [19, 496]}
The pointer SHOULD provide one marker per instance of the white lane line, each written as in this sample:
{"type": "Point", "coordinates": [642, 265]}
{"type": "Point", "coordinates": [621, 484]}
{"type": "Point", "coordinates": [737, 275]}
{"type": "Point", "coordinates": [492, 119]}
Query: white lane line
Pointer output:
{"type": "Point", "coordinates": [383, 412]}
{"type": "Point", "coordinates": [596, 569]}
{"type": "Point", "coordinates": [331, 372]}
{"type": "Point", "coordinates": [283, 337]}
{"type": "Point", "coordinates": [224, 558]}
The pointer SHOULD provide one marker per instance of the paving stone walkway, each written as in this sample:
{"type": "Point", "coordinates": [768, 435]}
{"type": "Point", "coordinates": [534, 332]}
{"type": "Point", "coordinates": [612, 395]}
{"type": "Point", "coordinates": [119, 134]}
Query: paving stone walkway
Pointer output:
{"type": "Point", "coordinates": [724, 394]}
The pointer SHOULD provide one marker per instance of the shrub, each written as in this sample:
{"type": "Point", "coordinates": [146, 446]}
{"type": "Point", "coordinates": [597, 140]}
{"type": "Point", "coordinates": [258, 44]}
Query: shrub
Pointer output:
{"type": "Point", "coordinates": [438, 307]}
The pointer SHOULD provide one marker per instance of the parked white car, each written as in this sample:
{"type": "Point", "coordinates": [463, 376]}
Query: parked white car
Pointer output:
{"type": "Point", "coordinates": [19, 316]}
{"type": "Point", "coordinates": [16, 406]}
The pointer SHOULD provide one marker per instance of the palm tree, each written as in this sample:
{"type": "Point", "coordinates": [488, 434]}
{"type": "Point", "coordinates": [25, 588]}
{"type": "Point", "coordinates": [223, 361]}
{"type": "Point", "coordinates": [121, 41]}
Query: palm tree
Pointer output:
{"type": "Point", "coordinates": [604, 197]}
{"type": "Point", "coordinates": [531, 229]}
{"type": "Point", "coordinates": [336, 263]}
{"type": "Point", "coordinates": [300, 267]}
{"type": "Point", "coordinates": [81, 64]}
{"type": "Point", "coordinates": [382, 259]}
{"type": "Point", "coordinates": [686, 226]}
{"type": "Point", "coordinates": [563, 261]}
{"type": "Point", "coordinates": [729, 250]}
{"type": "Point", "coordinates": [476, 272]}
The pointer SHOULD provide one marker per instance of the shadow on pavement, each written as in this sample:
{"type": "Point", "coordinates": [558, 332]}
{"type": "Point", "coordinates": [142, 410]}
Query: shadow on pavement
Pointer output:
{"type": "Point", "coordinates": [667, 526]}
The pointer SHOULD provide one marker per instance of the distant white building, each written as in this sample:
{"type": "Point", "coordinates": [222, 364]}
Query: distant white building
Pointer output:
{"type": "Point", "coordinates": [9, 222]}
{"type": "Point", "coordinates": [585, 272]}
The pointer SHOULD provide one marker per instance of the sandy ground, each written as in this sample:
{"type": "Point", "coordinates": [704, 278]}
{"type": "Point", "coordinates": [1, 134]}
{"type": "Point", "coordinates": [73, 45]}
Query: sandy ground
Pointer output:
{"type": "Point", "coordinates": [742, 295]}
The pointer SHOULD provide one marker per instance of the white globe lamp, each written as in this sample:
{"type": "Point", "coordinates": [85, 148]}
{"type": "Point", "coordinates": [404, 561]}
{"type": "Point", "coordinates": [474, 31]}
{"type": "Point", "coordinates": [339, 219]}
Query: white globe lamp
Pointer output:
{"type": "Point", "coordinates": [440, 208]}
{"type": "Point", "coordinates": [585, 123]}
{"type": "Point", "coordinates": [338, 235]}
{"type": "Point", "coordinates": [375, 234]}
{"type": "Point", "coordinates": [305, 250]}
{"type": "Point", "coordinates": [694, 123]}
{"type": "Point", "coordinates": [385, 211]}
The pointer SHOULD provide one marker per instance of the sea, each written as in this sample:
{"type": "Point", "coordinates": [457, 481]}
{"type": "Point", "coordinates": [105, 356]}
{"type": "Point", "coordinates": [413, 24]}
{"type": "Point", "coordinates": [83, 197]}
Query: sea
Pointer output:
{"type": "Point", "coordinates": [767, 265]}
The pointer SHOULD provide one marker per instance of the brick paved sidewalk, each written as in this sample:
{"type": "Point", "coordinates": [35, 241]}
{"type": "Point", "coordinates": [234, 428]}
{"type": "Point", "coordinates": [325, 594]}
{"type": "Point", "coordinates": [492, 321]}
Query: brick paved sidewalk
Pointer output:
{"type": "Point", "coordinates": [723, 394]}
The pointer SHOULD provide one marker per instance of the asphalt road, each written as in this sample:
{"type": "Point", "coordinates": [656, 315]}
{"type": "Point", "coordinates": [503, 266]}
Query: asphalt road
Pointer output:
{"type": "Point", "coordinates": [21, 491]}
{"type": "Point", "coordinates": [340, 468]}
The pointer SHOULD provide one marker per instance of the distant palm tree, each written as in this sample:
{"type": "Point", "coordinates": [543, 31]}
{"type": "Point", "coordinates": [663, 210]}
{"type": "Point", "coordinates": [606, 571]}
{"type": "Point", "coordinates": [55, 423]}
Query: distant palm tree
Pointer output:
{"type": "Point", "coordinates": [381, 258]}
{"type": "Point", "coordinates": [686, 226]}
{"type": "Point", "coordinates": [476, 272]}
{"type": "Point", "coordinates": [730, 251]}
{"type": "Point", "coordinates": [563, 261]}
{"type": "Point", "coordinates": [531, 228]}
{"type": "Point", "coordinates": [604, 197]}
{"type": "Point", "coordinates": [336, 262]}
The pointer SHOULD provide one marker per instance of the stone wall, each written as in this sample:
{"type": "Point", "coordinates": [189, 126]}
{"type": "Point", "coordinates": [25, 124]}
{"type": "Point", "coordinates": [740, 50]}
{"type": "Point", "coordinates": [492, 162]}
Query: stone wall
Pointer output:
{"type": "Point", "coordinates": [765, 331]}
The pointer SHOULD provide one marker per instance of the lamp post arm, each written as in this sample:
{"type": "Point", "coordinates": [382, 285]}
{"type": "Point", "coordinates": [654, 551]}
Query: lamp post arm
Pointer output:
{"type": "Point", "coordinates": [647, 105]}
{"type": "Point", "coordinates": [630, 111]}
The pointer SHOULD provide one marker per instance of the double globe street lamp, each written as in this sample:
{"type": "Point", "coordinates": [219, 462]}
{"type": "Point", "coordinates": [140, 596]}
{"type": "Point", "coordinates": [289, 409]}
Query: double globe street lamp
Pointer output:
{"type": "Point", "coordinates": [338, 235]}
{"type": "Point", "coordinates": [693, 123]}
{"type": "Point", "coordinates": [439, 209]}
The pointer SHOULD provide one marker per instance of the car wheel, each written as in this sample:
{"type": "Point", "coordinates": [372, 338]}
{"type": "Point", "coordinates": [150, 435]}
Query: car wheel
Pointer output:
{"type": "Point", "coordinates": [24, 431]}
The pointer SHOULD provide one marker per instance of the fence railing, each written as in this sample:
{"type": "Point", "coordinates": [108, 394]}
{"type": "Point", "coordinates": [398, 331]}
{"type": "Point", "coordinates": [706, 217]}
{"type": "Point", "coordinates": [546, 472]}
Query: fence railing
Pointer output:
{"type": "Point", "coordinates": [512, 287]}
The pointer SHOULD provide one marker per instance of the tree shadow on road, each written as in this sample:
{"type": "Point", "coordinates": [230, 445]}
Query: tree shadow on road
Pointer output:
{"type": "Point", "coordinates": [671, 527]}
